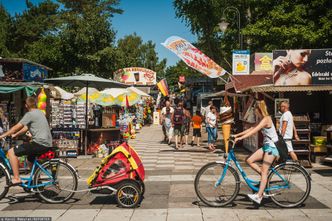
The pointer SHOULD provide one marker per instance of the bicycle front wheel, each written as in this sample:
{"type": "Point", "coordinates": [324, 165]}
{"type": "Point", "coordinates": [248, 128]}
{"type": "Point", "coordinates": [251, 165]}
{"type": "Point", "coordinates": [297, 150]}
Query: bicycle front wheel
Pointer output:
{"type": "Point", "coordinates": [289, 185]}
{"type": "Point", "coordinates": [57, 183]}
{"type": "Point", "coordinates": [4, 181]}
{"type": "Point", "coordinates": [217, 195]}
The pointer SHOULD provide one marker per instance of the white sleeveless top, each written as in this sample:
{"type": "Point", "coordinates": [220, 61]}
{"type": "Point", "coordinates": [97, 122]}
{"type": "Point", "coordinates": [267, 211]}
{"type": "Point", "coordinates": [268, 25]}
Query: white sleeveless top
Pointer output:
{"type": "Point", "coordinates": [270, 136]}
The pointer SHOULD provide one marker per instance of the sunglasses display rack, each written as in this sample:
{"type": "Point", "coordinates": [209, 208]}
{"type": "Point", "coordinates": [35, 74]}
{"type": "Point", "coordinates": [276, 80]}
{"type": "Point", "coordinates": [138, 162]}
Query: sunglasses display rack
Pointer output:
{"type": "Point", "coordinates": [66, 120]}
{"type": "Point", "coordinates": [10, 112]}
{"type": "Point", "coordinates": [80, 115]}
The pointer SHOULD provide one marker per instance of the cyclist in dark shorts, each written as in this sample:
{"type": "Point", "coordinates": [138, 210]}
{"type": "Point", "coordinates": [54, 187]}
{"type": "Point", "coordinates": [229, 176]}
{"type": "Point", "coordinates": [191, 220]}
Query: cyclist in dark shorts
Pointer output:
{"type": "Point", "coordinates": [36, 123]}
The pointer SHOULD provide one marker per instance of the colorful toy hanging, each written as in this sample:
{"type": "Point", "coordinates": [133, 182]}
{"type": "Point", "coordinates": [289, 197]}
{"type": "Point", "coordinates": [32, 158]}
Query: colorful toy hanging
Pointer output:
{"type": "Point", "coordinates": [41, 104]}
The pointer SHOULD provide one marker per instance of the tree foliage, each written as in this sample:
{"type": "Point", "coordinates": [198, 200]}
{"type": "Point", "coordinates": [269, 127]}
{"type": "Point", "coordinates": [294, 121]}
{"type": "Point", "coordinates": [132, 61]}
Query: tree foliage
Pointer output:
{"type": "Point", "coordinates": [265, 25]}
{"type": "Point", "coordinates": [76, 37]}
{"type": "Point", "coordinates": [4, 28]}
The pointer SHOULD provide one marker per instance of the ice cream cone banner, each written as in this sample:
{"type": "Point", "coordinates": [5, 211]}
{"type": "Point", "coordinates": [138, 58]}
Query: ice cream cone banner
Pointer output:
{"type": "Point", "coordinates": [226, 132]}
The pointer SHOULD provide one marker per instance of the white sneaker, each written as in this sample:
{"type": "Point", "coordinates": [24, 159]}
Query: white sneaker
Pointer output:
{"type": "Point", "coordinates": [255, 198]}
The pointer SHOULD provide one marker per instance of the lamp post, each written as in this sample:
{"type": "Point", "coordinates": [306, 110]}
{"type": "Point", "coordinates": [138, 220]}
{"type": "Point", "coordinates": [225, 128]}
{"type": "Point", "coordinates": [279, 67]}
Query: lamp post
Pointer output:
{"type": "Point", "coordinates": [224, 24]}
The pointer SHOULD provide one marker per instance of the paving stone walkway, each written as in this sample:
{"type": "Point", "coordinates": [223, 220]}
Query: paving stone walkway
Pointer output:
{"type": "Point", "coordinates": [170, 191]}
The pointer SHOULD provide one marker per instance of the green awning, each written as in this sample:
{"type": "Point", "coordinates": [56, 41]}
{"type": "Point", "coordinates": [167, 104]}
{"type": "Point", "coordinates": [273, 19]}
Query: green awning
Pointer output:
{"type": "Point", "coordinates": [29, 90]}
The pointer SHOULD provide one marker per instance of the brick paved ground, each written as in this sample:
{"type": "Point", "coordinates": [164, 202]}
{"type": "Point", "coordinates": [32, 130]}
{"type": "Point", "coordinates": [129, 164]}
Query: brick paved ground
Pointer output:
{"type": "Point", "coordinates": [170, 191]}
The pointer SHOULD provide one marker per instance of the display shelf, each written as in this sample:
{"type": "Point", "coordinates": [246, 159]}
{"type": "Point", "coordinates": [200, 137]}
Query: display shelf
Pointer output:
{"type": "Point", "coordinates": [302, 147]}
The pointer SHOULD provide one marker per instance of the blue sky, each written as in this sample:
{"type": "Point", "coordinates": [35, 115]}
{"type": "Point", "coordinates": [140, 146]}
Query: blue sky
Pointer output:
{"type": "Point", "coordinates": [151, 19]}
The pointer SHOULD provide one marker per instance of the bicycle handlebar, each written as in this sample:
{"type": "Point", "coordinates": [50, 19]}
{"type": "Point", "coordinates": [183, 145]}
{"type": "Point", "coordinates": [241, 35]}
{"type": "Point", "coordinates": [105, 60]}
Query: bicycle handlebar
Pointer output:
{"type": "Point", "coordinates": [232, 141]}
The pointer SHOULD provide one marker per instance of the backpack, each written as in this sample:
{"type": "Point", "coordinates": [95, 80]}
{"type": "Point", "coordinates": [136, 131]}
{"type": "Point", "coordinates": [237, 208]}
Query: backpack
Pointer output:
{"type": "Point", "coordinates": [282, 148]}
{"type": "Point", "coordinates": [178, 116]}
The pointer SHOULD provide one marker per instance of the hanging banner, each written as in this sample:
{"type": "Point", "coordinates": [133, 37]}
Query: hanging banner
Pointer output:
{"type": "Point", "coordinates": [302, 67]}
{"type": "Point", "coordinates": [136, 76]}
{"type": "Point", "coordinates": [241, 62]}
{"type": "Point", "coordinates": [193, 57]}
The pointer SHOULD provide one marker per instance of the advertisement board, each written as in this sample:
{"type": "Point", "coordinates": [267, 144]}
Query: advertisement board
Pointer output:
{"type": "Point", "coordinates": [34, 73]}
{"type": "Point", "coordinates": [136, 76]}
{"type": "Point", "coordinates": [241, 62]}
{"type": "Point", "coordinates": [302, 67]}
{"type": "Point", "coordinates": [263, 62]}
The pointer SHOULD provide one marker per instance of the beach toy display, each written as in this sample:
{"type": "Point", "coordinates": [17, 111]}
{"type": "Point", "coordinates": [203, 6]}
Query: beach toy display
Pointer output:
{"type": "Point", "coordinates": [41, 103]}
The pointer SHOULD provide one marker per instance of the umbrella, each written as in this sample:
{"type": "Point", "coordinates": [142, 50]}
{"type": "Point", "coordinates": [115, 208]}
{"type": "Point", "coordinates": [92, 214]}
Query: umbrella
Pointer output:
{"type": "Point", "coordinates": [116, 96]}
{"type": "Point", "coordinates": [138, 91]}
{"type": "Point", "coordinates": [127, 99]}
{"type": "Point", "coordinates": [85, 80]}
{"type": "Point", "coordinates": [123, 97]}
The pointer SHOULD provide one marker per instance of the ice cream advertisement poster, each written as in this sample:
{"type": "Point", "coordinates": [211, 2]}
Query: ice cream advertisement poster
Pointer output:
{"type": "Point", "coordinates": [136, 76]}
{"type": "Point", "coordinates": [263, 61]}
{"type": "Point", "coordinates": [302, 67]}
{"type": "Point", "coordinates": [193, 57]}
{"type": "Point", "coordinates": [241, 62]}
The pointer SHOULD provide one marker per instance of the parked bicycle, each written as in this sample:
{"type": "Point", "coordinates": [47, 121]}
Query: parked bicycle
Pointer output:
{"type": "Point", "coordinates": [218, 183]}
{"type": "Point", "coordinates": [55, 181]}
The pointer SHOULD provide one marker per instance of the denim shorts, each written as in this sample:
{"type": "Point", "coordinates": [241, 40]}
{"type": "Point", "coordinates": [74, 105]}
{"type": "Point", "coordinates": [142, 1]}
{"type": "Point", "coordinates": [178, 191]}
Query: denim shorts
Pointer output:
{"type": "Point", "coordinates": [270, 150]}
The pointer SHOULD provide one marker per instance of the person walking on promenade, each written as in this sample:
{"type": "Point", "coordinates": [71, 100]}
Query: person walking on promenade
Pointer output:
{"type": "Point", "coordinates": [268, 153]}
{"type": "Point", "coordinates": [196, 122]}
{"type": "Point", "coordinates": [162, 118]}
{"type": "Point", "coordinates": [167, 124]}
{"type": "Point", "coordinates": [211, 127]}
{"type": "Point", "coordinates": [206, 110]}
{"type": "Point", "coordinates": [186, 123]}
{"type": "Point", "coordinates": [287, 128]}
{"type": "Point", "coordinates": [178, 123]}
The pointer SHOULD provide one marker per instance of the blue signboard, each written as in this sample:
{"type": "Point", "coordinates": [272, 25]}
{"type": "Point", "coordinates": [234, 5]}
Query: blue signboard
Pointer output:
{"type": "Point", "coordinates": [34, 73]}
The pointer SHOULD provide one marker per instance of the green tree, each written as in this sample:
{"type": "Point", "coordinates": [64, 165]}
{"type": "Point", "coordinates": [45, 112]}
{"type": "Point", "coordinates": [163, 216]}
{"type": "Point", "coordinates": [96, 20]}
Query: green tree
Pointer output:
{"type": "Point", "coordinates": [132, 52]}
{"type": "Point", "coordinates": [4, 28]}
{"type": "Point", "coordinates": [31, 26]}
{"type": "Point", "coordinates": [172, 74]}
{"type": "Point", "coordinates": [265, 25]}
{"type": "Point", "coordinates": [87, 36]}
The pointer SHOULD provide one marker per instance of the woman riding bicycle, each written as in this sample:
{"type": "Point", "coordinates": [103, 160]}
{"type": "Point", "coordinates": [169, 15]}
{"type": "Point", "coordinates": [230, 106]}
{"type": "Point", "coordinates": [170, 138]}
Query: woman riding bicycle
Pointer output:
{"type": "Point", "coordinates": [268, 153]}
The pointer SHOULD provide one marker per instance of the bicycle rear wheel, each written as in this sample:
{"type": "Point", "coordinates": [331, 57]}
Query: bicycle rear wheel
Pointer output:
{"type": "Point", "coordinates": [224, 193]}
{"type": "Point", "coordinates": [290, 185]}
{"type": "Point", "coordinates": [4, 181]}
{"type": "Point", "coordinates": [57, 184]}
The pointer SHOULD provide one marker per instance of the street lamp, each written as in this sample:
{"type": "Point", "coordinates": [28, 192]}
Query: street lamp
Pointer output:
{"type": "Point", "coordinates": [224, 24]}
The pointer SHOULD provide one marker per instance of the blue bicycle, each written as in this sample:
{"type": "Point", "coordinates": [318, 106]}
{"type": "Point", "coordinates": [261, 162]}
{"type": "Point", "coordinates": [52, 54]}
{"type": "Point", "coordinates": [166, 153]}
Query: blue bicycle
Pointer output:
{"type": "Point", "coordinates": [217, 184]}
{"type": "Point", "coordinates": [54, 180]}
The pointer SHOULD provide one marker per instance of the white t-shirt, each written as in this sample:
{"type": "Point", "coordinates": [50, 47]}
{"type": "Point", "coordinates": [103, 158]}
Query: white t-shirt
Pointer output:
{"type": "Point", "coordinates": [163, 111]}
{"type": "Point", "coordinates": [212, 120]}
{"type": "Point", "coordinates": [288, 117]}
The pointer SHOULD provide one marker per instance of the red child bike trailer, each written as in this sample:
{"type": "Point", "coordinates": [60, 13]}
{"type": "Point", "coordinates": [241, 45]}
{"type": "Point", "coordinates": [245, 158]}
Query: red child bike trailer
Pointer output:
{"type": "Point", "coordinates": [123, 172]}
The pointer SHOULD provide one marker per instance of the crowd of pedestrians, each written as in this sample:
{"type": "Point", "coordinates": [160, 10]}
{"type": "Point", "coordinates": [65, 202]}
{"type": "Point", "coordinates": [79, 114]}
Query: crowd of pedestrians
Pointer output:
{"type": "Point", "coordinates": [178, 122]}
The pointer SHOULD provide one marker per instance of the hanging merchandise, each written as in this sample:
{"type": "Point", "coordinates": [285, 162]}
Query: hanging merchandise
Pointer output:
{"type": "Point", "coordinates": [226, 120]}
{"type": "Point", "coordinates": [41, 104]}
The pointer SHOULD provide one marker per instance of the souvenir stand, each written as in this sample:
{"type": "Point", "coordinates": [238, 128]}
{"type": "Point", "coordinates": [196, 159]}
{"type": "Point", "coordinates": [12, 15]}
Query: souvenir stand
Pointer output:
{"type": "Point", "coordinates": [19, 78]}
{"type": "Point", "coordinates": [103, 134]}
{"type": "Point", "coordinates": [66, 122]}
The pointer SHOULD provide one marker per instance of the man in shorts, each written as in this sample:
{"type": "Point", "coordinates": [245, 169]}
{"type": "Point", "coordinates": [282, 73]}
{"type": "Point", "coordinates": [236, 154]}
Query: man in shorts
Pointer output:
{"type": "Point", "coordinates": [36, 123]}
{"type": "Point", "coordinates": [287, 127]}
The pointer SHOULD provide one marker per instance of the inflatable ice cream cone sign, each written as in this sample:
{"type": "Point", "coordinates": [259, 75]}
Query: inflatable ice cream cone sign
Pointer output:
{"type": "Point", "coordinates": [227, 119]}
{"type": "Point", "coordinates": [41, 103]}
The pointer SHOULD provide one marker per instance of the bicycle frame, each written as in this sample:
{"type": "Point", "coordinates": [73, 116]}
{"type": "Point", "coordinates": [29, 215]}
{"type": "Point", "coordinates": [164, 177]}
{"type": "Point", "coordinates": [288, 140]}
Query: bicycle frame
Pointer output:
{"type": "Point", "coordinates": [251, 183]}
{"type": "Point", "coordinates": [28, 184]}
